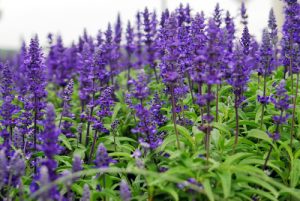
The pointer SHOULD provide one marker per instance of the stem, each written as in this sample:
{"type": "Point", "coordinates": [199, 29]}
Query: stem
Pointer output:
{"type": "Point", "coordinates": [61, 116]}
{"type": "Point", "coordinates": [207, 138]}
{"type": "Point", "coordinates": [191, 88]}
{"type": "Point", "coordinates": [82, 110]}
{"type": "Point", "coordinates": [11, 133]}
{"type": "Point", "coordinates": [128, 71]}
{"type": "Point", "coordinates": [236, 123]}
{"type": "Point", "coordinates": [21, 191]}
{"type": "Point", "coordinates": [128, 77]}
{"type": "Point", "coordinates": [93, 147]}
{"type": "Point", "coordinates": [104, 186]}
{"type": "Point", "coordinates": [271, 147]}
{"type": "Point", "coordinates": [217, 103]}
{"type": "Point", "coordinates": [200, 94]}
{"type": "Point", "coordinates": [174, 116]}
{"type": "Point", "coordinates": [263, 105]}
{"type": "Point", "coordinates": [155, 73]}
{"type": "Point", "coordinates": [115, 145]}
{"type": "Point", "coordinates": [87, 137]}
{"type": "Point", "coordinates": [258, 81]}
{"type": "Point", "coordinates": [294, 110]}
{"type": "Point", "coordinates": [35, 133]}
{"type": "Point", "coordinates": [268, 157]}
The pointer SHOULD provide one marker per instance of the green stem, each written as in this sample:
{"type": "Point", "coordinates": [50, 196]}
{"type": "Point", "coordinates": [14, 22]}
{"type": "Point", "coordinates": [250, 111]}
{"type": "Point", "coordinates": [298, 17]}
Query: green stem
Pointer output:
{"type": "Point", "coordinates": [294, 110]}
{"type": "Point", "coordinates": [263, 105]}
{"type": "Point", "coordinates": [174, 116]}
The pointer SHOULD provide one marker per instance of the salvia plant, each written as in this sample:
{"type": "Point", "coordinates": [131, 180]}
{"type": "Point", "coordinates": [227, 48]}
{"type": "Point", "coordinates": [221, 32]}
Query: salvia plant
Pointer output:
{"type": "Point", "coordinates": [176, 105]}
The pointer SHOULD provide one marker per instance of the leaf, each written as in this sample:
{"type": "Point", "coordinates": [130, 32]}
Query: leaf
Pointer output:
{"type": "Point", "coordinates": [65, 141]}
{"type": "Point", "coordinates": [236, 157]}
{"type": "Point", "coordinates": [262, 193]}
{"type": "Point", "coordinates": [183, 131]}
{"type": "Point", "coordinates": [295, 173]}
{"type": "Point", "coordinates": [259, 182]}
{"type": "Point", "coordinates": [222, 127]}
{"type": "Point", "coordinates": [171, 191]}
{"type": "Point", "coordinates": [79, 152]}
{"type": "Point", "coordinates": [226, 183]}
{"type": "Point", "coordinates": [207, 189]}
{"type": "Point", "coordinates": [121, 154]}
{"type": "Point", "coordinates": [116, 111]}
{"type": "Point", "coordinates": [259, 134]}
{"type": "Point", "coordinates": [77, 189]}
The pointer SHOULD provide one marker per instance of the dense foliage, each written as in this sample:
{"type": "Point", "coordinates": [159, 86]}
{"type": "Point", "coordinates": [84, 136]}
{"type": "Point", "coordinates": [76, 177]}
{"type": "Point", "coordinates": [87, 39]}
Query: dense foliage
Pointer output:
{"type": "Point", "coordinates": [180, 108]}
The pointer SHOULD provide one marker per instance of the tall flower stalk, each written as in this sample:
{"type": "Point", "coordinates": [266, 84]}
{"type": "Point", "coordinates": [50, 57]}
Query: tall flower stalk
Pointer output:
{"type": "Point", "coordinates": [266, 68]}
{"type": "Point", "coordinates": [35, 70]}
{"type": "Point", "coordinates": [281, 101]}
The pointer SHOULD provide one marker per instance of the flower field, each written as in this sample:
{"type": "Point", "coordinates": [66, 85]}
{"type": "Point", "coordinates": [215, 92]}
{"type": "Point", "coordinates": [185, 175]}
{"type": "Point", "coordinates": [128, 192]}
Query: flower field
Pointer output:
{"type": "Point", "coordinates": [172, 106]}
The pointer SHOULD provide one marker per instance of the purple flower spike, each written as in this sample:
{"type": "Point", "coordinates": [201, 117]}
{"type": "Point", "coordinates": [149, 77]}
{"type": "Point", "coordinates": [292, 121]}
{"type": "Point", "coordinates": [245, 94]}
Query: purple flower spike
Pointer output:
{"type": "Point", "coordinates": [125, 193]}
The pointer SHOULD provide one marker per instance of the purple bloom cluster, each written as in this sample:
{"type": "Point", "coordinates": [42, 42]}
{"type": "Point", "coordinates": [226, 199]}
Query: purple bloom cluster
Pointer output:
{"type": "Point", "coordinates": [103, 89]}
{"type": "Point", "coordinates": [281, 101]}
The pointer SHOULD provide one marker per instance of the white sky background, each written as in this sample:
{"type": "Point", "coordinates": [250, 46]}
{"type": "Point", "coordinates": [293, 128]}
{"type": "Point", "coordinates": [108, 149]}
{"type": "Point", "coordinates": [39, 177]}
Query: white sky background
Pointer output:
{"type": "Point", "coordinates": [21, 19]}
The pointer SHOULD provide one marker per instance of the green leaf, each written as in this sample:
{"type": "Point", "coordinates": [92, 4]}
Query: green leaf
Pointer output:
{"type": "Point", "coordinates": [77, 189]}
{"type": "Point", "coordinates": [226, 183]}
{"type": "Point", "coordinates": [259, 182]}
{"type": "Point", "coordinates": [208, 190]}
{"type": "Point", "coordinates": [116, 111]}
{"type": "Point", "coordinates": [295, 173]}
{"type": "Point", "coordinates": [235, 158]}
{"type": "Point", "coordinates": [222, 127]}
{"type": "Point", "coordinates": [183, 131]}
{"type": "Point", "coordinates": [262, 193]}
{"type": "Point", "coordinates": [79, 152]}
{"type": "Point", "coordinates": [65, 141]}
{"type": "Point", "coordinates": [259, 134]}
{"type": "Point", "coordinates": [121, 154]}
{"type": "Point", "coordinates": [171, 191]}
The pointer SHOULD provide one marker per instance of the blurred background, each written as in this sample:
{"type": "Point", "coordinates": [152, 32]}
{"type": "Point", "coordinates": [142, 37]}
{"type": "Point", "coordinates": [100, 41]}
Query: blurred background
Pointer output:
{"type": "Point", "coordinates": [21, 19]}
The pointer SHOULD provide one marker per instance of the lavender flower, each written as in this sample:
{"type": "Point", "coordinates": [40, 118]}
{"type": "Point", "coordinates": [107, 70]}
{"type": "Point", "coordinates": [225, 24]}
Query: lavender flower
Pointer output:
{"type": "Point", "coordinates": [230, 31]}
{"type": "Point", "coordinates": [130, 49]}
{"type": "Point", "coordinates": [267, 66]}
{"type": "Point", "coordinates": [35, 70]}
{"type": "Point", "coordinates": [239, 78]}
{"type": "Point", "coordinates": [244, 14]}
{"type": "Point", "coordinates": [281, 101]}
{"type": "Point", "coordinates": [141, 91]}
{"type": "Point", "coordinates": [155, 110]}
{"type": "Point", "coordinates": [7, 109]}
{"type": "Point", "coordinates": [67, 95]}
{"type": "Point", "coordinates": [3, 168]}
{"type": "Point", "coordinates": [86, 193]}
{"type": "Point", "coordinates": [102, 158]}
{"type": "Point", "coordinates": [49, 138]}
{"type": "Point", "coordinates": [245, 41]}
{"type": "Point", "coordinates": [146, 127]}
{"type": "Point", "coordinates": [149, 35]}
{"type": "Point", "coordinates": [125, 193]}
{"type": "Point", "coordinates": [16, 168]}
{"type": "Point", "coordinates": [139, 47]}
{"type": "Point", "coordinates": [218, 15]}
{"type": "Point", "coordinates": [85, 82]}
{"type": "Point", "coordinates": [77, 164]}
{"type": "Point", "coordinates": [272, 25]}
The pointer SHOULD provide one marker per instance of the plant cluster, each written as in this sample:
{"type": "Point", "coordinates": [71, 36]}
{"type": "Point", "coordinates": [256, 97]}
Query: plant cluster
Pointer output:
{"type": "Point", "coordinates": [176, 108]}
